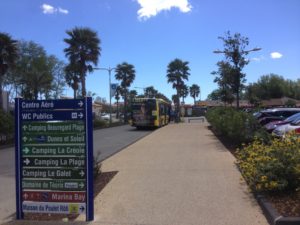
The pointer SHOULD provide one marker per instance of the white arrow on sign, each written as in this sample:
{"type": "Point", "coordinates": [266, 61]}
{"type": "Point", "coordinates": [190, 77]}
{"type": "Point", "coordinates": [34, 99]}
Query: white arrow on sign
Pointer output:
{"type": "Point", "coordinates": [27, 161]}
{"type": "Point", "coordinates": [25, 127]}
{"type": "Point", "coordinates": [24, 139]}
{"type": "Point", "coordinates": [81, 185]}
{"type": "Point", "coordinates": [80, 115]}
{"type": "Point", "coordinates": [81, 173]}
{"type": "Point", "coordinates": [80, 103]}
{"type": "Point", "coordinates": [26, 150]}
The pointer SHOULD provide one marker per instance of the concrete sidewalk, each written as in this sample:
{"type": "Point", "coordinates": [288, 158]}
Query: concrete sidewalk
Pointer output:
{"type": "Point", "coordinates": [180, 174]}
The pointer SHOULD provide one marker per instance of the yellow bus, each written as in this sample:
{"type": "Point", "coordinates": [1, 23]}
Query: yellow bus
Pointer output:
{"type": "Point", "coordinates": [149, 112]}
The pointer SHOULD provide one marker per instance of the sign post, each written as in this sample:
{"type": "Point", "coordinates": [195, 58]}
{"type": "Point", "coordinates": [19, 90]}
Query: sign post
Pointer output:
{"type": "Point", "coordinates": [54, 157]}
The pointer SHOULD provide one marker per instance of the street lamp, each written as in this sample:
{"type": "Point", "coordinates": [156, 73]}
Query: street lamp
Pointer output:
{"type": "Point", "coordinates": [246, 51]}
{"type": "Point", "coordinates": [109, 69]}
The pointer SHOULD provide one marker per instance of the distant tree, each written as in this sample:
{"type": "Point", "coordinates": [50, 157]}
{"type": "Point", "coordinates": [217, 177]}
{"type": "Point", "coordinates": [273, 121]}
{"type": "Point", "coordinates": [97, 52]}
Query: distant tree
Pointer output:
{"type": "Point", "coordinates": [72, 77]}
{"type": "Point", "coordinates": [175, 99]}
{"type": "Point", "coordinates": [83, 51]}
{"type": "Point", "coordinates": [184, 92]}
{"type": "Point", "coordinates": [150, 92]}
{"type": "Point", "coordinates": [58, 81]}
{"type": "Point", "coordinates": [118, 95]}
{"type": "Point", "coordinates": [235, 54]}
{"type": "Point", "coordinates": [290, 103]}
{"type": "Point", "coordinates": [223, 95]}
{"type": "Point", "coordinates": [215, 95]}
{"type": "Point", "coordinates": [194, 92]}
{"type": "Point", "coordinates": [162, 96]}
{"type": "Point", "coordinates": [177, 72]}
{"type": "Point", "coordinates": [251, 94]}
{"type": "Point", "coordinates": [132, 94]}
{"type": "Point", "coordinates": [126, 74]}
{"type": "Point", "coordinates": [272, 86]}
{"type": "Point", "coordinates": [8, 57]}
{"type": "Point", "coordinates": [224, 79]}
{"type": "Point", "coordinates": [33, 71]}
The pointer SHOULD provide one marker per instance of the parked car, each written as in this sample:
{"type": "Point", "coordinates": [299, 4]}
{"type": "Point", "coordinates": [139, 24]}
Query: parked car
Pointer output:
{"type": "Point", "coordinates": [104, 116]}
{"type": "Point", "coordinates": [281, 131]}
{"type": "Point", "coordinates": [274, 124]}
{"type": "Point", "coordinates": [269, 115]}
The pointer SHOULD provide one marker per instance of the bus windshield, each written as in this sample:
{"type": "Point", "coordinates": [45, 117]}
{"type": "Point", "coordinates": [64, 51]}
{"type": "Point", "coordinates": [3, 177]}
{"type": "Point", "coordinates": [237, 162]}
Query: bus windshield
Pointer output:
{"type": "Point", "coordinates": [144, 107]}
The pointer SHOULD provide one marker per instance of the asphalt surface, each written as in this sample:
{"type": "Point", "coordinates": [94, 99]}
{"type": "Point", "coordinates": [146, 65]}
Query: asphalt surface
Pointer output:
{"type": "Point", "coordinates": [108, 141]}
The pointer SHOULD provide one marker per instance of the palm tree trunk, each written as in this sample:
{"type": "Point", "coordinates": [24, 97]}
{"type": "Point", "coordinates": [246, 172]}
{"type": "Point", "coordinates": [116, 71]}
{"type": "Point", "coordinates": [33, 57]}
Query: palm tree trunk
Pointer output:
{"type": "Point", "coordinates": [35, 92]}
{"type": "Point", "coordinates": [83, 91]}
{"type": "Point", "coordinates": [82, 78]}
{"type": "Point", "coordinates": [117, 109]}
{"type": "Point", "coordinates": [1, 95]}
{"type": "Point", "coordinates": [125, 107]}
{"type": "Point", "coordinates": [177, 118]}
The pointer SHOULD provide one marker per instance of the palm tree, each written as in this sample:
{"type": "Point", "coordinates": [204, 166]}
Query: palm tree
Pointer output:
{"type": "Point", "coordinates": [150, 92]}
{"type": "Point", "coordinates": [117, 97]}
{"type": "Point", "coordinates": [174, 99]}
{"type": "Point", "coordinates": [8, 57]}
{"type": "Point", "coordinates": [194, 92]}
{"type": "Point", "coordinates": [83, 51]}
{"type": "Point", "coordinates": [184, 92]}
{"type": "Point", "coordinates": [125, 73]}
{"type": "Point", "coordinates": [132, 94]}
{"type": "Point", "coordinates": [177, 72]}
{"type": "Point", "coordinates": [72, 78]}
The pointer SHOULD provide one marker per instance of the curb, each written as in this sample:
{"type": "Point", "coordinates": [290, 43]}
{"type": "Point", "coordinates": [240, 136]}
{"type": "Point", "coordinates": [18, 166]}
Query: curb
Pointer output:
{"type": "Point", "coordinates": [273, 217]}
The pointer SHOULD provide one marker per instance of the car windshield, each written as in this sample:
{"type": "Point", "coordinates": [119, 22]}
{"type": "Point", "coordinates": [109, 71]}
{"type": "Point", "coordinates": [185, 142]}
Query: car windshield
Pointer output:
{"type": "Point", "coordinates": [292, 118]}
{"type": "Point", "coordinates": [296, 122]}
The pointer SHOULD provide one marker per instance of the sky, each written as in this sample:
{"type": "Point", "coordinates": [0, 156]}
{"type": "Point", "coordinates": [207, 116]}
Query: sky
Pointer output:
{"type": "Point", "coordinates": [149, 34]}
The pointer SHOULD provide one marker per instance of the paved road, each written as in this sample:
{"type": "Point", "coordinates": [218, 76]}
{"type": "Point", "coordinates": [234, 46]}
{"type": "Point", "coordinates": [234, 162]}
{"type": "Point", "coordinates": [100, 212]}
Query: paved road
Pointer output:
{"type": "Point", "coordinates": [111, 140]}
{"type": "Point", "coordinates": [107, 141]}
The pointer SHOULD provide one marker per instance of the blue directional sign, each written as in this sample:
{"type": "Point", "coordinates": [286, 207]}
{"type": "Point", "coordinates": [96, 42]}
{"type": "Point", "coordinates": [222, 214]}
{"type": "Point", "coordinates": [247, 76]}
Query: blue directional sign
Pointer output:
{"type": "Point", "coordinates": [38, 115]}
{"type": "Point", "coordinates": [54, 155]}
{"type": "Point", "coordinates": [52, 104]}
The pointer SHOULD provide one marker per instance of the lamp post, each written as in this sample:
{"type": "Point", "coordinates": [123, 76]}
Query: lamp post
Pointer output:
{"type": "Point", "coordinates": [109, 69]}
{"type": "Point", "coordinates": [243, 52]}
{"type": "Point", "coordinates": [236, 55]}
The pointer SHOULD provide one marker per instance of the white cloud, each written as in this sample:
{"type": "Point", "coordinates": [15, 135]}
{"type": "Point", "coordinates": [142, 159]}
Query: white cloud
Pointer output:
{"type": "Point", "coordinates": [63, 11]}
{"type": "Point", "coordinates": [49, 9]}
{"type": "Point", "coordinates": [276, 55]}
{"type": "Point", "coordinates": [257, 59]}
{"type": "Point", "coordinates": [151, 8]}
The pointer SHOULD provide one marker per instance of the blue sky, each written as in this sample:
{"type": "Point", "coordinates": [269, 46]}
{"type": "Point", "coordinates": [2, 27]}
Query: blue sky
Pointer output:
{"type": "Point", "coordinates": [151, 33]}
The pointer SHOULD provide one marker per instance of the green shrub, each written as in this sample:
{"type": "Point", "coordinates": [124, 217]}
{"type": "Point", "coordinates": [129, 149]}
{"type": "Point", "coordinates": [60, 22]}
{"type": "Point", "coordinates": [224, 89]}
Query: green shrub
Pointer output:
{"type": "Point", "coordinates": [99, 123]}
{"type": "Point", "coordinates": [271, 167]}
{"type": "Point", "coordinates": [239, 127]}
